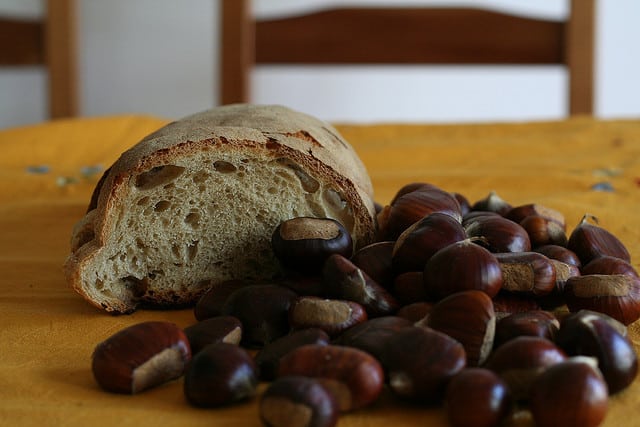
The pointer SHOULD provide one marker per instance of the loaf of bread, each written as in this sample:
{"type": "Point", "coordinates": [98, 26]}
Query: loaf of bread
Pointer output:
{"type": "Point", "coordinates": [195, 204]}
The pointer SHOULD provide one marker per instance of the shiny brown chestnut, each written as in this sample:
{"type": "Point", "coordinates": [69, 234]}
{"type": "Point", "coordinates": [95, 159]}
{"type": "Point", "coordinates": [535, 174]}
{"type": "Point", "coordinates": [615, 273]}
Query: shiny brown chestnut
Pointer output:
{"type": "Point", "coordinates": [492, 203]}
{"type": "Point", "coordinates": [220, 374]}
{"type": "Point", "coordinates": [211, 302]}
{"type": "Point", "coordinates": [465, 206]}
{"type": "Point", "coordinates": [609, 265]}
{"type": "Point", "coordinates": [304, 243]}
{"type": "Point", "coordinates": [411, 207]}
{"type": "Point", "coordinates": [420, 363]}
{"type": "Point", "coordinates": [559, 253]}
{"type": "Point", "coordinates": [520, 360]}
{"type": "Point", "coordinates": [140, 357]}
{"type": "Point", "coordinates": [499, 234]}
{"type": "Point", "coordinates": [354, 377]}
{"type": "Point", "coordinates": [467, 317]}
{"type": "Point", "coordinates": [420, 241]}
{"type": "Point", "coordinates": [371, 336]}
{"type": "Point", "coordinates": [375, 260]}
{"type": "Point", "coordinates": [616, 295]}
{"type": "Point", "coordinates": [506, 303]}
{"type": "Point", "coordinates": [268, 358]}
{"type": "Point", "coordinates": [588, 333]}
{"type": "Point", "coordinates": [569, 394]}
{"type": "Point", "coordinates": [298, 401]}
{"type": "Point", "coordinates": [263, 311]}
{"type": "Point", "coordinates": [415, 311]}
{"type": "Point", "coordinates": [409, 287]}
{"type": "Point", "coordinates": [215, 329]}
{"type": "Point", "coordinates": [519, 213]}
{"type": "Point", "coordinates": [590, 241]}
{"type": "Point", "coordinates": [462, 266]}
{"type": "Point", "coordinates": [331, 315]}
{"type": "Point", "coordinates": [527, 273]}
{"type": "Point", "coordinates": [477, 397]}
{"type": "Point", "coordinates": [536, 323]}
{"type": "Point", "coordinates": [344, 280]}
{"type": "Point", "coordinates": [412, 186]}
{"type": "Point", "coordinates": [543, 231]}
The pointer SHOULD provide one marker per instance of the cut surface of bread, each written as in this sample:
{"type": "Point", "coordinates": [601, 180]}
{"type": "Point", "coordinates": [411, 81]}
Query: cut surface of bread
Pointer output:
{"type": "Point", "coordinates": [195, 204]}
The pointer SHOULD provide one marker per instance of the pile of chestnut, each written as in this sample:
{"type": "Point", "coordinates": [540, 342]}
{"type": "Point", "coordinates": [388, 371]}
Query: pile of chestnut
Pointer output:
{"type": "Point", "coordinates": [490, 309]}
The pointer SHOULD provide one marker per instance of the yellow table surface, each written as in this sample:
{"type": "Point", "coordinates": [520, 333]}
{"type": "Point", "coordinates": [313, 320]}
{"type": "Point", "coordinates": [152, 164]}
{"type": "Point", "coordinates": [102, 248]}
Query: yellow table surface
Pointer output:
{"type": "Point", "coordinates": [47, 173]}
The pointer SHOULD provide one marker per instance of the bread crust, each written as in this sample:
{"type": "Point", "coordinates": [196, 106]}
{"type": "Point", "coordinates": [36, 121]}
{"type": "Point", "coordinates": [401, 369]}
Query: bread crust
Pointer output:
{"type": "Point", "coordinates": [311, 148]}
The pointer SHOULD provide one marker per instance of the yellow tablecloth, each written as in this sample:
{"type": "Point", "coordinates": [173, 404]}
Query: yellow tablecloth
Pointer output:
{"type": "Point", "coordinates": [47, 173]}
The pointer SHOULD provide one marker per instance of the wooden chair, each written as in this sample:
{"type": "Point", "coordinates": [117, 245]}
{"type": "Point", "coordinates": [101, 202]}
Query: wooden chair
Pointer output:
{"type": "Point", "coordinates": [407, 36]}
{"type": "Point", "coordinates": [51, 43]}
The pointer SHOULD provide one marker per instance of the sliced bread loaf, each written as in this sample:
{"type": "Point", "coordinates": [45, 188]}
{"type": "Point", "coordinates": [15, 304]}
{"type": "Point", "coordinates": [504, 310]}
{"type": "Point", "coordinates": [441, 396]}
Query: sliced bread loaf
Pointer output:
{"type": "Point", "coordinates": [196, 202]}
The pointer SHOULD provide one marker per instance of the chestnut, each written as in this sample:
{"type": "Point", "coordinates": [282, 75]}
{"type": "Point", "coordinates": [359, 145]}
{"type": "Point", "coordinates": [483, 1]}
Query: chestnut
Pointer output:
{"type": "Point", "coordinates": [499, 234]}
{"type": "Point", "coordinates": [465, 206]}
{"type": "Point", "coordinates": [506, 303]}
{"type": "Point", "coordinates": [210, 303]}
{"type": "Point", "coordinates": [559, 253]}
{"type": "Point", "coordinates": [415, 311]}
{"type": "Point", "coordinates": [140, 357]}
{"type": "Point", "coordinates": [298, 401]}
{"type": "Point", "coordinates": [409, 287]}
{"type": "Point", "coordinates": [544, 231]}
{"type": "Point", "coordinates": [529, 273]}
{"type": "Point", "coordinates": [420, 241]}
{"type": "Point", "coordinates": [477, 397]}
{"type": "Point", "coordinates": [536, 323]}
{"type": "Point", "coordinates": [609, 265]}
{"type": "Point", "coordinates": [492, 203]}
{"type": "Point", "coordinates": [331, 315]}
{"type": "Point", "coordinates": [371, 336]}
{"type": "Point", "coordinates": [375, 260]}
{"type": "Point", "coordinates": [221, 374]}
{"type": "Point", "coordinates": [588, 333]}
{"type": "Point", "coordinates": [344, 280]}
{"type": "Point", "coordinates": [263, 311]}
{"type": "Point", "coordinates": [569, 394]}
{"type": "Point", "coordinates": [304, 243]}
{"type": "Point", "coordinates": [268, 358]}
{"type": "Point", "coordinates": [353, 376]}
{"type": "Point", "coordinates": [467, 317]}
{"type": "Point", "coordinates": [590, 241]}
{"type": "Point", "coordinates": [420, 363]}
{"type": "Point", "coordinates": [462, 266]}
{"type": "Point", "coordinates": [215, 329]}
{"type": "Point", "coordinates": [412, 186]}
{"type": "Point", "coordinates": [412, 206]}
{"type": "Point", "coordinates": [519, 213]}
{"type": "Point", "coordinates": [520, 360]}
{"type": "Point", "coordinates": [616, 295]}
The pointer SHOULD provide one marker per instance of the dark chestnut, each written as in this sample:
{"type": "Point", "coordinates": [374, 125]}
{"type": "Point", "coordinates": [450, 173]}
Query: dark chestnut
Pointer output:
{"type": "Point", "coordinates": [409, 287]}
{"type": "Point", "coordinates": [492, 203]}
{"type": "Point", "coordinates": [331, 315]}
{"type": "Point", "coordinates": [569, 394]}
{"type": "Point", "coordinates": [221, 374]}
{"type": "Point", "coordinates": [215, 329]}
{"type": "Point", "coordinates": [304, 243]}
{"type": "Point", "coordinates": [591, 241]}
{"type": "Point", "coordinates": [371, 336]}
{"type": "Point", "coordinates": [462, 266]}
{"type": "Point", "coordinates": [268, 358]}
{"type": "Point", "coordinates": [263, 311]}
{"type": "Point", "coordinates": [499, 234]}
{"type": "Point", "coordinates": [420, 241]}
{"type": "Point", "coordinates": [298, 401]}
{"type": "Point", "coordinates": [588, 333]}
{"type": "Point", "coordinates": [519, 213]}
{"type": "Point", "coordinates": [559, 253]}
{"type": "Point", "coordinates": [477, 397]}
{"type": "Point", "coordinates": [420, 363]}
{"type": "Point", "coordinates": [609, 265]}
{"type": "Point", "coordinates": [375, 260]}
{"type": "Point", "coordinates": [528, 273]}
{"type": "Point", "coordinates": [211, 302]}
{"type": "Point", "coordinates": [140, 357]}
{"type": "Point", "coordinates": [536, 323]}
{"type": "Point", "coordinates": [544, 231]}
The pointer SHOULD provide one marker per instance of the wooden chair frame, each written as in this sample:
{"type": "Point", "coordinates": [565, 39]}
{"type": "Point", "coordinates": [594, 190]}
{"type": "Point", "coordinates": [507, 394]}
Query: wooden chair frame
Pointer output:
{"type": "Point", "coordinates": [50, 43]}
{"type": "Point", "coordinates": [408, 36]}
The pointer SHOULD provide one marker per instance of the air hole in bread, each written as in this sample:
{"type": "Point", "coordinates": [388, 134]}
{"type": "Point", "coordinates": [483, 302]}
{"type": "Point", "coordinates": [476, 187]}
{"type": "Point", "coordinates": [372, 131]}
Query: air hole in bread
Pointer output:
{"type": "Point", "coordinates": [192, 250]}
{"type": "Point", "coordinates": [193, 219]}
{"type": "Point", "coordinates": [177, 252]}
{"type": "Point", "coordinates": [309, 184]}
{"type": "Point", "coordinates": [272, 190]}
{"type": "Point", "coordinates": [143, 201]}
{"type": "Point", "coordinates": [200, 177]}
{"type": "Point", "coordinates": [339, 208]}
{"type": "Point", "coordinates": [98, 285]}
{"type": "Point", "coordinates": [224, 167]}
{"type": "Point", "coordinates": [162, 206]}
{"type": "Point", "coordinates": [157, 176]}
{"type": "Point", "coordinates": [153, 274]}
{"type": "Point", "coordinates": [135, 286]}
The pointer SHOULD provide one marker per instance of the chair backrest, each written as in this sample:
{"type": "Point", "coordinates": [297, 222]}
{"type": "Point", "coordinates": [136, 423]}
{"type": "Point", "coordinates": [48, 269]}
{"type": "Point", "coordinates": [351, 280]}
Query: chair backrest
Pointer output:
{"type": "Point", "coordinates": [50, 42]}
{"type": "Point", "coordinates": [426, 35]}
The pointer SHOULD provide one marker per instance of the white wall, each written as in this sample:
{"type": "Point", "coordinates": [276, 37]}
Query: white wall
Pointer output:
{"type": "Point", "coordinates": [160, 57]}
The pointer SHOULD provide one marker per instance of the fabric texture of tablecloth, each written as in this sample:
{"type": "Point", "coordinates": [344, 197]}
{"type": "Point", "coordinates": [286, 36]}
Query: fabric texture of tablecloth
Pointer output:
{"type": "Point", "coordinates": [47, 173]}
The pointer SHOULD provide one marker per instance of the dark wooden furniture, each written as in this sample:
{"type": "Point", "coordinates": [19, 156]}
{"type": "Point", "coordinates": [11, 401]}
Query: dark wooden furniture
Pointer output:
{"type": "Point", "coordinates": [50, 42]}
{"type": "Point", "coordinates": [407, 36]}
